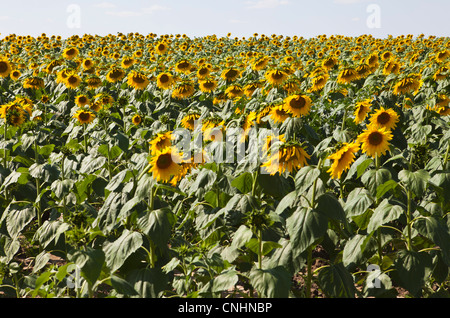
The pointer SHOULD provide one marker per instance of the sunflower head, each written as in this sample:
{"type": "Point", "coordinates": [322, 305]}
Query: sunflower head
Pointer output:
{"type": "Point", "coordinates": [165, 164]}
{"type": "Point", "coordinates": [137, 80]}
{"type": "Point", "coordinates": [374, 141]}
{"type": "Point", "coordinates": [342, 159]}
{"type": "Point", "coordinates": [136, 119]}
{"type": "Point", "coordinates": [288, 158]}
{"type": "Point", "coordinates": [387, 118]}
{"type": "Point", "coordinates": [165, 80]}
{"type": "Point", "coordinates": [161, 141]}
{"type": "Point", "coordinates": [297, 105]}
{"type": "Point", "coordinates": [361, 110]}
{"type": "Point", "coordinates": [5, 68]}
{"type": "Point", "coordinates": [84, 116]}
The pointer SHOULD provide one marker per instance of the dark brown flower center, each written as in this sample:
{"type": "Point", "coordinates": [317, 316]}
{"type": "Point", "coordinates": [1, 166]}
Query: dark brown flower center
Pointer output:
{"type": "Point", "coordinates": [383, 118]}
{"type": "Point", "coordinates": [3, 67]}
{"type": "Point", "coordinates": [375, 138]}
{"type": "Point", "coordinates": [84, 116]}
{"type": "Point", "coordinates": [297, 103]}
{"type": "Point", "coordinates": [164, 161]}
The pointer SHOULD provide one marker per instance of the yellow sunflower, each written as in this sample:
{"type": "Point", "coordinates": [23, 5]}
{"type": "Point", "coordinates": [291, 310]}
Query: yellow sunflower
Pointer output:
{"type": "Point", "coordinates": [230, 74]}
{"type": "Point", "coordinates": [289, 157]}
{"type": "Point", "coordinates": [207, 85]}
{"type": "Point", "coordinates": [161, 141]}
{"type": "Point", "coordinates": [408, 84]}
{"type": "Point", "coordinates": [137, 80]}
{"type": "Point", "coordinates": [276, 77]}
{"type": "Point", "coordinates": [165, 80]}
{"type": "Point", "coordinates": [342, 159]}
{"type": "Point", "coordinates": [161, 47]}
{"type": "Point", "coordinates": [183, 66]}
{"type": "Point", "coordinates": [15, 74]}
{"type": "Point", "coordinates": [84, 116]}
{"type": "Point", "coordinates": [127, 62]}
{"type": "Point", "coordinates": [234, 91]}
{"type": "Point", "coordinates": [374, 141]}
{"type": "Point", "coordinates": [72, 81]}
{"type": "Point", "coordinates": [81, 100]}
{"type": "Point", "coordinates": [115, 74]}
{"type": "Point", "coordinates": [361, 110]}
{"type": "Point", "coordinates": [165, 164]}
{"type": "Point", "coordinates": [70, 53]}
{"type": "Point", "coordinates": [387, 118]}
{"type": "Point", "coordinates": [183, 90]}
{"type": "Point", "coordinates": [347, 75]}
{"type": "Point", "coordinates": [5, 68]}
{"type": "Point", "coordinates": [188, 121]}
{"type": "Point", "coordinates": [278, 113]}
{"type": "Point", "coordinates": [136, 120]}
{"type": "Point", "coordinates": [297, 105]}
{"type": "Point", "coordinates": [33, 83]}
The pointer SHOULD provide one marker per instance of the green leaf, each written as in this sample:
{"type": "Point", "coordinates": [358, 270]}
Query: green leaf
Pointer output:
{"type": "Point", "coordinates": [384, 213]}
{"type": "Point", "coordinates": [372, 179]}
{"type": "Point", "coordinates": [90, 261]}
{"type": "Point", "coordinates": [386, 187]}
{"type": "Point", "coordinates": [225, 281]}
{"type": "Point", "coordinates": [18, 217]}
{"type": "Point", "coordinates": [437, 231]}
{"type": "Point", "coordinates": [305, 226]}
{"type": "Point", "coordinates": [49, 231]}
{"type": "Point", "coordinates": [242, 236]}
{"type": "Point", "coordinates": [336, 282]}
{"type": "Point", "coordinates": [122, 286]}
{"type": "Point", "coordinates": [118, 251]}
{"type": "Point", "coordinates": [61, 187]}
{"type": "Point", "coordinates": [410, 267]}
{"type": "Point", "coordinates": [243, 183]}
{"type": "Point", "coordinates": [305, 178]}
{"type": "Point", "coordinates": [40, 261]}
{"type": "Point", "coordinates": [415, 181]}
{"type": "Point", "coordinates": [358, 201]}
{"type": "Point", "coordinates": [353, 252]}
{"type": "Point", "coordinates": [267, 246]}
{"type": "Point", "coordinates": [329, 205]}
{"type": "Point", "coordinates": [271, 283]}
{"type": "Point", "coordinates": [46, 150]}
{"type": "Point", "coordinates": [148, 282]}
{"type": "Point", "coordinates": [157, 225]}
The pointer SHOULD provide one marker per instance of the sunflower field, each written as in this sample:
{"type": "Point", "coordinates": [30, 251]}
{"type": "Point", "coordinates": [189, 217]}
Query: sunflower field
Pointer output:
{"type": "Point", "coordinates": [164, 166]}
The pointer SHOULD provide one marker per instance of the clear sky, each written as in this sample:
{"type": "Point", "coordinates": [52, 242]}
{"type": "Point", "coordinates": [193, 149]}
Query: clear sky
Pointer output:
{"type": "Point", "coordinates": [239, 17]}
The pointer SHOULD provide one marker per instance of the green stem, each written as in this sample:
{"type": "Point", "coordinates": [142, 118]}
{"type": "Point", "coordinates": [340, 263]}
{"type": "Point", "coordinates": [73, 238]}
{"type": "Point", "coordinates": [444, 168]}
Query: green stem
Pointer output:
{"type": "Point", "coordinates": [5, 152]}
{"type": "Point", "coordinates": [308, 272]}
{"type": "Point", "coordinates": [313, 199]}
{"type": "Point", "coordinates": [446, 156]}
{"type": "Point", "coordinates": [344, 118]}
{"type": "Point", "coordinates": [85, 138]}
{"type": "Point", "coordinates": [408, 209]}
{"type": "Point", "coordinates": [38, 186]}
{"type": "Point", "coordinates": [260, 249]}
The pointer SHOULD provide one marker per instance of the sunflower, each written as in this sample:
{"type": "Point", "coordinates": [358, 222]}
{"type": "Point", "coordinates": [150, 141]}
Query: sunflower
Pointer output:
{"type": "Point", "coordinates": [115, 74]}
{"type": "Point", "coordinates": [165, 80]}
{"type": "Point", "coordinates": [330, 62]}
{"type": "Point", "coordinates": [161, 48]}
{"type": "Point", "coordinates": [33, 83]}
{"type": "Point", "coordinates": [81, 100]}
{"type": "Point", "coordinates": [183, 90]}
{"type": "Point", "coordinates": [137, 80]}
{"type": "Point", "coordinates": [188, 121]}
{"type": "Point", "coordinates": [70, 53]}
{"type": "Point", "coordinates": [342, 159]}
{"type": "Point", "coordinates": [319, 82]}
{"type": "Point", "coordinates": [230, 74]}
{"type": "Point", "coordinates": [265, 111]}
{"type": "Point", "coordinates": [408, 84]}
{"type": "Point", "coordinates": [250, 88]}
{"type": "Point", "coordinates": [15, 74]}
{"type": "Point", "coordinates": [361, 110]}
{"type": "Point", "coordinates": [234, 91]}
{"type": "Point", "coordinates": [93, 82]}
{"type": "Point", "coordinates": [289, 157]}
{"type": "Point", "coordinates": [278, 113]}
{"type": "Point", "coordinates": [208, 85]}
{"type": "Point", "coordinates": [387, 118]}
{"type": "Point", "coordinates": [297, 105]}
{"type": "Point", "coordinates": [374, 141]}
{"type": "Point", "coordinates": [14, 113]}
{"type": "Point", "coordinates": [183, 66]}
{"type": "Point", "coordinates": [165, 164]}
{"type": "Point", "coordinates": [87, 64]}
{"type": "Point", "coordinates": [248, 122]}
{"type": "Point", "coordinates": [127, 62]}
{"type": "Point", "coordinates": [276, 77]}
{"type": "Point", "coordinates": [136, 120]}
{"type": "Point", "coordinates": [72, 80]}
{"type": "Point", "coordinates": [161, 141]}
{"type": "Point", "coordinates": [260, 64]}
{"type": "Point", "coordinates": [84, 116]}
{"type": "Point", "coordinates": [203, 72]}
{"type": "Point", "coordinates": [347, 75]}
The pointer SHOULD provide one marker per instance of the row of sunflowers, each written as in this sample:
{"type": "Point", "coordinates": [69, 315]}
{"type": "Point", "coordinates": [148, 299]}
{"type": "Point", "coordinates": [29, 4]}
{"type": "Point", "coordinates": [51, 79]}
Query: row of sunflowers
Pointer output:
{"type": "Point", "coordinates": [170, 166]}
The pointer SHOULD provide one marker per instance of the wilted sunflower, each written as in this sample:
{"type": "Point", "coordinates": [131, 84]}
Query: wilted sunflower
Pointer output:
{"type": "Point", "coordinates": [161, 141]}
{"type": "Point", "coordinates": [408, 84]}
{"type": "Point", "coordinates": [342, 159]}
{"type": "Point", "coordinates": [374, 141]}
{"type": "Point", "coordinates": [386, 118]}
{"type": "Point", "coordinates": [318, 82]}
{"type": "Point", "coordinates": [84, 116]}
{"type": "Point", "coordinates": [164, 80]}
{"type": "Point", "coordinates": [115, 74]}
{"type": "Point", "coordinates": [183, 66]}
{"type": "Point", "coordinates": [361, 110]}
{"type": "Point", "coordinates": [289, 157]}
{"type": "Point", "coordinates": [260, 64]}
{"type": "Point", "coordinates": [14, 113]}
{"type": "Point", "coordinates": [297, 105]}
{"type": "Point", "coordinates": [165, 164]}
{"type": "Point", "coordinates": [276, 77]}
{"type": "Point", "coordinates": [137, 80]}
{"type": "Point", "coordinates": [183, 90]}
{"type": "Point", "coordinates": [93, 82]}
{"type": "Point", "coordinates": [5, 68]}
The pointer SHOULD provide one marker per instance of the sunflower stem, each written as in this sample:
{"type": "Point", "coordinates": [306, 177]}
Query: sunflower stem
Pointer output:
{"type": "Point", "coordinates": [408, 208]}
{"type": "Point", "coordinates": [446, 156]}
{"type": "Point", "coordinates": [5, 152]}
{"type": "Point", "coordinates": [308, 272]}
{"type": "Point", "coordinates": [85, 138]}
{"type": "Point", "coordinates": [260, 249]}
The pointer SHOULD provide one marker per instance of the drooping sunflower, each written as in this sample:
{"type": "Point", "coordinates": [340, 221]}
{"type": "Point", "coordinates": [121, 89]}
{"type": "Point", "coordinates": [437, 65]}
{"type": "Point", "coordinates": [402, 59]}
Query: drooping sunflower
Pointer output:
{"type": "Point", "coordinates": [33, 82]}
{"type": "Point", "coordinates": [318, 82]}
{"type": "Point", "coordinates": [203, 72]}
{"type": "Point", "coordinates": [93, 82]}
{"type": "Point", "coordinates": [165, 164]}
{"type": "Point", "coordinates": [361, 110]}
{"type": "Point", "coordinates": [84, 116]}
{"type": "Point", "coordinates": [234, 91]}
{"type": "Point", "coordinates": [374, 141]}
{"type": "Point", "coordinates": [247, 122]}
{"type": "Point", "coordinates": [137, 80]}
{"type": "Point", "coordinates": [5, 68]}
{"type": "Point", "coordinates": [161, 141]}
{"type": "Point", "coordinates": [297, 105]}
{"type": "Point", "coordinates": [276, 77]}
{"type": "Point", "coordinates": [342, 159]}
{"type": "Point", "coordinates": [290, 157]}
{"type": "Point", "coordinates": [207, 85]}
{"type": "Point", "coordinates": [183, 66]}
{"type": "Point", "coordinates": [347, 75]}
{"type": "Point", "coordinates": [183, 90]}
{"type": "Point", "coordinates": [230, 74]}
{"type": "Point", "coordinates": [127, 62]}
{"type": "Point", "coordinates": [250, 88]}
{"type": "Point", "coordinates": [188, 121]}
{"type": "Point", "coordinates": [408, 84]}
{"type": "Point", "coordinates": [87, 64]}
{"type": "Point", "coordinates": [386, 118]}
{"type": "Point", "coordinates": [115, 74]}
{"type": "Point", "coordinates": [278, 113]}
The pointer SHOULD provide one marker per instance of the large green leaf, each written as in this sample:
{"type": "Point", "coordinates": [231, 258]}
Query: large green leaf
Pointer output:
{"type": "Point", "coordinates": [49, 231]}
{"type": "Point", "coordinates": [271, 283]}
{"type": "Point", "coordinates": [118, 251]}
{"type": "Point", "coordinates": [305, 178]}
{"type": "Point", "coordinates": [335, 281]}
{"type": "Point", "coordinates": [384, 213]}
{"type": "Point", "coordinates": [90, 261]}
{"type": "Point", "coordinates": [373, 178]}
{"type": "Point", "coordinates": [358, 201]}
{"type": "Point", "coordinates": [148, 282]}
{"type": "Point", "coordinates": [415, 181]}
{"type": "Point", "coordinates": [329, 205]}
{"type": "Point", "coordinates": [410, 267]}
{"type": "Point", "coordinates": [18, 217]}
{"type": "Point", "coordinates": [157, 225]}
{"type": "Point", "coordinates": [243, 183]}
{"type": "Point", "coordinates": [437, 231]}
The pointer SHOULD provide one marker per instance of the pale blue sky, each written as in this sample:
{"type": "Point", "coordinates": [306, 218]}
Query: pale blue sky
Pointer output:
{"type": "Point", "coordinates": [240, 17]}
